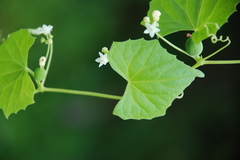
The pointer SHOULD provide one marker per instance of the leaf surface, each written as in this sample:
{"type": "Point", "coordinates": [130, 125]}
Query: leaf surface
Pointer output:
{"type": "Point", "coordinates": [16, 87]}
{"type": "Point", "coordinates": [192, 15]}
{"type": "Point", "coordinates": [155, 78]}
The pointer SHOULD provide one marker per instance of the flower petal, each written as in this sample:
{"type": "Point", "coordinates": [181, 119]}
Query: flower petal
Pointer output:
{"type": "Point", "coordinates": [102, 60]}
{"type": "Point", "coordinates": [35, 31]}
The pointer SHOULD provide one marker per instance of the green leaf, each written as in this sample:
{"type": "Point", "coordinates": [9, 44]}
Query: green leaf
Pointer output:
{"type": "Point", "coordinates": [155, 78]}
{"type": "Point", "coordinates": [16, 87]}
{"type": "Point", "coordinates": [192, 15]}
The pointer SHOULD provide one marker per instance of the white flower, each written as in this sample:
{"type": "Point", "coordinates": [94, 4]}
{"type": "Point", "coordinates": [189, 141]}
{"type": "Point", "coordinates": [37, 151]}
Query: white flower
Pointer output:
{"type": "Point", "coordinates": [151, 29]}
{"type": "Point", "coordinates": [46, 30]}
{"type": "Point", "coordinates": [102, 60]}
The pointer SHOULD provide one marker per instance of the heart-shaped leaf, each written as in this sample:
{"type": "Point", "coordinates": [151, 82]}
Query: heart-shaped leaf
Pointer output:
{"type": "Point", "coordinates": [192, 15]}
{"type": "Point", "coordinates": [155, 78]}
{"type": "Point", "coordinates": [16, 87]}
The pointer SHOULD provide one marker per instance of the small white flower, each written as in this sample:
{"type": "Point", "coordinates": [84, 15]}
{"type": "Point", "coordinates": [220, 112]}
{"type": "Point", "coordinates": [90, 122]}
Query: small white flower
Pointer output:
{"type": "Point", "coordinates": [151, 29]}
{"type": "Point", "coordinates": [46, 30]}
{"type": "Point", "coordinates": [102, 60]}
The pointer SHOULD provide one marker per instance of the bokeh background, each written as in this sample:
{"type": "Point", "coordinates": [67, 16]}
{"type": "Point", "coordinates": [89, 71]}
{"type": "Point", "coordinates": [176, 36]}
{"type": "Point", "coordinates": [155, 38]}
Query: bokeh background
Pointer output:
{"type": "Point", "coordinates": [204, 124]}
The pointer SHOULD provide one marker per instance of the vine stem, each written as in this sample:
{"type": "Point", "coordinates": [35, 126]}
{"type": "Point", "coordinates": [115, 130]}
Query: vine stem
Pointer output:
{"type": "Point", "coordinates": [222, 62]}
{"type": "Point", "coordinates": [30, 71]}
{"type": "Point", "coordinates": [205, 62]}
{"type": "Point", "coordinates": [229, 42]}
{"type": "Point", "coordinates": [86, 93]}
{"type": "Point", "coordinates": [48, 54]}
{"type": "Point", "coordinates": [42, 89]}
{"type": "Point", "coordinates": [172, 45]}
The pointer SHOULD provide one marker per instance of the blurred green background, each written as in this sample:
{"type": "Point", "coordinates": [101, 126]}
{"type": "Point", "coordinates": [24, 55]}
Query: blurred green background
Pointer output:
{"type": "Point", "coordinates": [202, 125]}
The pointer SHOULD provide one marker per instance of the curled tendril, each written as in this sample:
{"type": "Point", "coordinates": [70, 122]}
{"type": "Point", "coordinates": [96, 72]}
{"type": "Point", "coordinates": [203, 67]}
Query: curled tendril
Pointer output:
{"type": "Point", "coordinates": [214, 38]}
{"type": "Point", "coordinates": [180, 95]}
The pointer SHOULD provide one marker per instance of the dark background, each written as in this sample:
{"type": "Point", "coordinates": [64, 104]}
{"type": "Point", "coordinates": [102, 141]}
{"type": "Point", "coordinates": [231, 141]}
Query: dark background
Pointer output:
{"type": "Point", "coordinates": [202, 125]}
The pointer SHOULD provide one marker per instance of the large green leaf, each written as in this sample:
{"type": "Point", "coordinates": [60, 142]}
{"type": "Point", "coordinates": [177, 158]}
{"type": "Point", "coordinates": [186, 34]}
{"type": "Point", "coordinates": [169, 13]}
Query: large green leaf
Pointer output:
{"type": "Point", "coordinates": [155, 78]}
{"type": "Point", "coordinates": [192, 15]}
{"type": "Point", "coordinates": [16, 87]}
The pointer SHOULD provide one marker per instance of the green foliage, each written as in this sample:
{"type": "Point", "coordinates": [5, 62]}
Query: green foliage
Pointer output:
{"type": "Point", "coordinates": [194, 15]}
{"type": "Point", "coordinates": [16, 87]}
{"type": "Point", "coordinates": [155, 78]}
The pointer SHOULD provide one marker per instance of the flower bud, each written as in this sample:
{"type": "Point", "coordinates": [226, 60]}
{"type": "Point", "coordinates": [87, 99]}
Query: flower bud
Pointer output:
{"type": "Point", "coordinates": [146, 20]}
{"type": "Point", "coordinates": [43, 40]}
{"type": "Point", "coordinates": [105, 50]}
{"type": "Point", "coordinates": [156, 15]}
{"type": "Point", "coordinates": [42, 61]}
{"type": "Point", "coordinates": [49, 41]}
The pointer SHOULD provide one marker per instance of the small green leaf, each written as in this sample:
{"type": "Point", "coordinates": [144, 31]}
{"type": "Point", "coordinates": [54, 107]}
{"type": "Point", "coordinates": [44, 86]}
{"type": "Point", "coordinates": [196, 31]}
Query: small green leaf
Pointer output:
{"type": "Point", "coordinates": [16, 87]}
{"type": "Point", "coordinates": [179, 15]}
{"type": "Point", "coordinates": [155, 78]}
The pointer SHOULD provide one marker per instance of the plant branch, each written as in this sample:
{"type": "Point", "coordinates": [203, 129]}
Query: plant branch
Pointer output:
{"type": "Point", "coordinates": [86, 93]}
{"type": "Point", "coordinates": [222, 62]}
{"type": "Point", "coordinates": [220, 39]}
{"type": "Point", "coordinates": [49, 53]}
{"type": "Point", "coordinates": [202, 62]}
{"type": "Point", "coordinates": [172, 45]}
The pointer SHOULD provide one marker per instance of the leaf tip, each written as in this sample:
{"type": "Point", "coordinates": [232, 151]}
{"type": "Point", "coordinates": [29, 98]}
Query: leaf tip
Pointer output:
{"type": "Point", "coordinates": [6, 116]}
{"type": "Point", "coordinates": [8, 113]}
{"type": "Point", "coordinates": [200, 74]}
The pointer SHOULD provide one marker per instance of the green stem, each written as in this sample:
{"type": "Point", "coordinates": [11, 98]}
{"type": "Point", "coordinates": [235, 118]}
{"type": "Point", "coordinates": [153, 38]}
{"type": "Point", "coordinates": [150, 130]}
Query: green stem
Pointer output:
{"type": "Point", "coordinates": [222, 62]}
{"type": "Point", "coordinates": [227, 39]}
{"type": "Point", "coordinates": [49, 53]}
{"type": "Point", "coordinates": [172, 45]}
{"type": "Point", "coordinates": [30, 71]}
{"type": "Point", "coordinates": [86, 93]}
{"type": "Point", "coordinates": [202, 62]}
{"type": "Point", "coordinates": [48, 49]}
